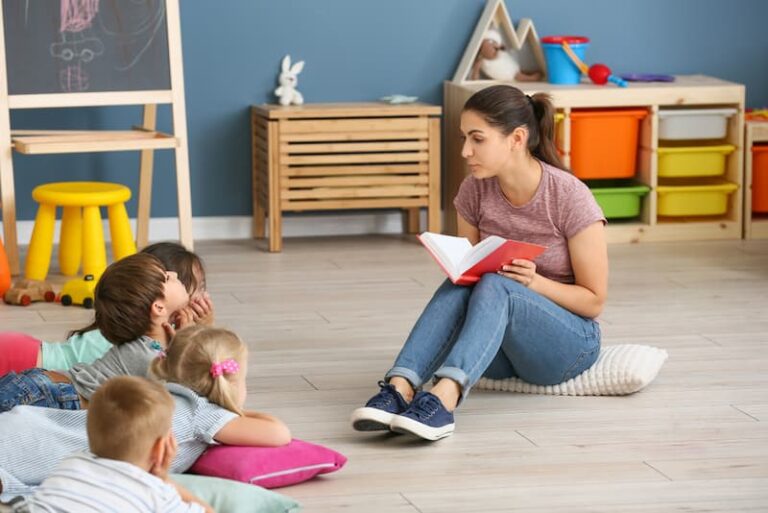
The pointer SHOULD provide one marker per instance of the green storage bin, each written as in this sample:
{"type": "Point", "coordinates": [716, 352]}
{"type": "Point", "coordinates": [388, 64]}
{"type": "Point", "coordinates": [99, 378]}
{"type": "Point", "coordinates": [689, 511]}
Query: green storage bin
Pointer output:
{"type": "Point", "coordinates": [619, 200]}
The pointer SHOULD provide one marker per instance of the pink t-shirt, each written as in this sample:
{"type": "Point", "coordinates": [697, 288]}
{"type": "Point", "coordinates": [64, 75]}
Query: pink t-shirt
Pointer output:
{"type": "Point", "coordinates": [561, 207]}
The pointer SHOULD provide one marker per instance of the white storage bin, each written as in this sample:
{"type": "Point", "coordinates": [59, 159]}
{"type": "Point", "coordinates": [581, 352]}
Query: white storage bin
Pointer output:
{"type": "Point", "coordinates": [694, 123]}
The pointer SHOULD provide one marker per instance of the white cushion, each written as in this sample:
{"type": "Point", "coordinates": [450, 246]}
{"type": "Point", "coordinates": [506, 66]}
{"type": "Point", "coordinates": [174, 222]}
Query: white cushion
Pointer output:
{"type": "Point", "coordinates": [619, 370]}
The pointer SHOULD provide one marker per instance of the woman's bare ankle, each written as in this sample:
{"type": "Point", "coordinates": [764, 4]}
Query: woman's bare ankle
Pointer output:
{"type": "Point", "coordinates": [403, 386]}
{"type": "Point", "coordinates": [449, 393]}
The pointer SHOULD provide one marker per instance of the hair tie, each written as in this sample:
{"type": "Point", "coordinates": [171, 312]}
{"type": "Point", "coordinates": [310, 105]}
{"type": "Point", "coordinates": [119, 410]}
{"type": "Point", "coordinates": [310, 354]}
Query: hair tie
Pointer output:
{"type": "Point", "coordinates": [161, 354]}
{"type": "Point", "coordinates": [229, 366]}
{"type": "Point", "coordinates": [531, 101]}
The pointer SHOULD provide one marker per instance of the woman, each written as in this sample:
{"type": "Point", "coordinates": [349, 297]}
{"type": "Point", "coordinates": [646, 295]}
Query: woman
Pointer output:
{"type": "Point", "coordinates": [532, 320]}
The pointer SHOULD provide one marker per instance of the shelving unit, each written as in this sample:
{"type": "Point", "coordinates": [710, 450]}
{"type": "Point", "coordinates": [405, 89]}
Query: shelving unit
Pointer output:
{"type": "Point", "coordinates": [755, 225]}
{"type": "Point", "coordinates": [686, 91]}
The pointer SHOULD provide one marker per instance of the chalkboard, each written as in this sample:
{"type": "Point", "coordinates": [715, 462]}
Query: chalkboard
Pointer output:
{"type": "Point", "coordinates": [77, 46]}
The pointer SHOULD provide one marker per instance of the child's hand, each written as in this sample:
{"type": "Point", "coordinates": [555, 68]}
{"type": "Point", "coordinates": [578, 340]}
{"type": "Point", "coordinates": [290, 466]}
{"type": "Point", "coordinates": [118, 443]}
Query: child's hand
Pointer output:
{"type": "Point", "coordinates": [202, 306]}
{"type": "Point", "coordinates": [522, 271]}
{"type": "Point", "coordinates": [160, 468]}
{"type": "Point", "coordinates": [183, 318]}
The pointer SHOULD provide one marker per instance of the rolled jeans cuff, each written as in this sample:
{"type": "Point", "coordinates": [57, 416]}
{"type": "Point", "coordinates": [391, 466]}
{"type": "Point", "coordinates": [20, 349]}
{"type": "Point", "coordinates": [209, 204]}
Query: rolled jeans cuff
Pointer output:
{"type": "Point", "coordinates": [402, 372]}
{"type": "Point", "coordinates": [457, 375]}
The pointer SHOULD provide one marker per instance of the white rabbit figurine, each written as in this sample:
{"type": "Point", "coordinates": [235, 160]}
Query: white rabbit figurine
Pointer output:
{"type": "Point", "coordinates": [288, 77]}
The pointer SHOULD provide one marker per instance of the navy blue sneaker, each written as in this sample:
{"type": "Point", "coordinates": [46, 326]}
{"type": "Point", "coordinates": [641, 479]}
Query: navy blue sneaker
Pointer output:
{"type": "Point", "coordinates": [426, 417]}
{"type": "Point", "coordinates": [379, 410]}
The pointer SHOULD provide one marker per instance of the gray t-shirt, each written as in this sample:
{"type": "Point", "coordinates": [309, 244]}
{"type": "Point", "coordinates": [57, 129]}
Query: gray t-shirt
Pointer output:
{"type": "Point", "coordinates": [129, 359]}
{"type": "Point", "coordinates": [561, 208]}
{"type": "Point", "coordinates": [34, 440]}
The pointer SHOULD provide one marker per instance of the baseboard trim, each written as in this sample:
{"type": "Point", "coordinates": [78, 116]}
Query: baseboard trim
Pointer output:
{"type": "Point", "coordinates": [239, 227]}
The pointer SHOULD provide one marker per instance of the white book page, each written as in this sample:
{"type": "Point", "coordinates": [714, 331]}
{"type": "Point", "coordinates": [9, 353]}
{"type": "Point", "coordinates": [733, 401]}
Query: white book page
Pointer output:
{"type": "Point", "coordinates": [450, 250]}
{"type": "Point", "coordinates": [481, 250]}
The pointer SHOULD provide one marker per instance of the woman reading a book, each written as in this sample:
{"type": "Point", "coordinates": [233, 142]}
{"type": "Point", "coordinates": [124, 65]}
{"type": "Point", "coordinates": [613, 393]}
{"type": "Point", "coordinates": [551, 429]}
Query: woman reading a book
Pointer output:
{"type": "Point", "coordinates": [533, 320]}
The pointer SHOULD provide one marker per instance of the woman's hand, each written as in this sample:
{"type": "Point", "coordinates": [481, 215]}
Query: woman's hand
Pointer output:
{"type": "Point", "coordinates": [522, 271]}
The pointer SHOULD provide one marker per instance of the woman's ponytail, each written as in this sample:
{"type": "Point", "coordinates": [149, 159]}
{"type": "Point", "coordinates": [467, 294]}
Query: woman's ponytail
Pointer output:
{"type": "Point", "coordinates": [544, 148]}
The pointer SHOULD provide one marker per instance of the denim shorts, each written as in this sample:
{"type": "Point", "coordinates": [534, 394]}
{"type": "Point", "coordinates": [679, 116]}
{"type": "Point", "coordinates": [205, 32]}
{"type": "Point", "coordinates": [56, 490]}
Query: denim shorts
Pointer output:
{"type": "Point", "coordinates": [34, 388]}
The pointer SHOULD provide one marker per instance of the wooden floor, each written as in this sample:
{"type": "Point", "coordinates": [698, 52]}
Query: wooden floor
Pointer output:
{"type": "Point", "coordinates": [325, 318]}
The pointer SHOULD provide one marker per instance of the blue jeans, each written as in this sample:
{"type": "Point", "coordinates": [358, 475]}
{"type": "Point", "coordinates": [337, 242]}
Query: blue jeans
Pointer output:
{"type": "Point", "coordinates": [34, 388]}
{"type": "Point", "coordinates": [498, 329]}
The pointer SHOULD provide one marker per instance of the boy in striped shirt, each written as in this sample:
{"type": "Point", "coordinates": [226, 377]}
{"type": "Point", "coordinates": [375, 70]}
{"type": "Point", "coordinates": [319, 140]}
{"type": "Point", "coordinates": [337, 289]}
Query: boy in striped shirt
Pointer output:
{"type": "Point", "coordinates": [132, 446]}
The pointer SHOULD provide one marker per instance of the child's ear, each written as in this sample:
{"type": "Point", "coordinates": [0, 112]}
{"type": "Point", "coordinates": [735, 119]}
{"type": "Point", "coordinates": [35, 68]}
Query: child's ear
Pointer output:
{"type": "Point", "coordinates": [158, 308]}
{"type": "Point", "coordinates": [157, 453]}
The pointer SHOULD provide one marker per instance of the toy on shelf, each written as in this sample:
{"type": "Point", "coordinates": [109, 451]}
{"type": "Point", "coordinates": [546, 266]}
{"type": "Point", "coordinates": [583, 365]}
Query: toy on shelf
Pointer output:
{"type": "Point", "coordinates": [647, 77]}
{"type": "Point", "coordinates": [79, 291]}
{"type": "Point", "coordinates": [495, 62]}
{"type": "Point", "coordinates": [757, 114]}
{"type": "Point", "coordinates": [26, 292]}
{"type": "Point", "coordinates": [289, 77]}
{"type": "Point", "coordinates": [600, 74]}
{"type": "Point", "coordinates": [5, 271]}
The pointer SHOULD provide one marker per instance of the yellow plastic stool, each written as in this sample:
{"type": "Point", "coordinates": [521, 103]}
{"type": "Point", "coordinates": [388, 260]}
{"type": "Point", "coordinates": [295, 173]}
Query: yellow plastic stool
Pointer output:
{"type": "Point", "coordinates": [82, 237]}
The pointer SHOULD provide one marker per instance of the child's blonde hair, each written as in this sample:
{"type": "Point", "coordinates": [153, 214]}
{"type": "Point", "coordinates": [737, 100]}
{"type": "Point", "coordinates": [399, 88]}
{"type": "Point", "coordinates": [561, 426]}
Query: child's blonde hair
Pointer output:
{"type": "Point", "coordinates": [126, 415]}
{"type": "Point", "coordinates": [193, 354]}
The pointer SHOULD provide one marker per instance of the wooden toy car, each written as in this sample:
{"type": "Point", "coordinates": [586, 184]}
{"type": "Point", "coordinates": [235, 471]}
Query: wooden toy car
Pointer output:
{"type": "Point", "coordinates": [78, 291]}
{"type": "Point", "coordinates": [25, 292]}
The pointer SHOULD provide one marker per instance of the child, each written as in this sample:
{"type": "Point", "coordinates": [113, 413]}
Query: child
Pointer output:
{"type": "Point", "coordinates": [135, 298]}
{"type": "Point", "coordinates": [206, 369]}
{"type": "Point", "coordinates": [126, 470]}
{"type": "Point", "coordinates": [19, 351]}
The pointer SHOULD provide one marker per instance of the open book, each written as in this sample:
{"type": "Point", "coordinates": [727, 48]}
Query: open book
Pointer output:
{"type": "Point", "coordinates": [465, 264]}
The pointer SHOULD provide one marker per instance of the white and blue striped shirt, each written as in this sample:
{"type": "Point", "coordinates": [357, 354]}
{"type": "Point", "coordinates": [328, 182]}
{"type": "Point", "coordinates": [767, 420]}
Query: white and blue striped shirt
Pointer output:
{"type": "Point", "coordinates": [84, 483]}
{"type": "Point", "coordinates": [34, 440]}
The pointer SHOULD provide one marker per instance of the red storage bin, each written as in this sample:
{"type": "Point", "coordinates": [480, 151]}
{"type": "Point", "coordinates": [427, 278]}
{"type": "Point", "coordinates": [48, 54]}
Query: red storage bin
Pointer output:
{"type": "Point", "coordinates": [604, 142]}
{"type": "Point", "coordinates": [760, 178]}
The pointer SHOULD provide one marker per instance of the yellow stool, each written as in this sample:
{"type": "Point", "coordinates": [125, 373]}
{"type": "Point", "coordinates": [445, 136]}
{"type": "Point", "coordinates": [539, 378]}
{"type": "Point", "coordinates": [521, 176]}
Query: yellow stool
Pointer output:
{"type": "Point", "coordinates": [82, 237]}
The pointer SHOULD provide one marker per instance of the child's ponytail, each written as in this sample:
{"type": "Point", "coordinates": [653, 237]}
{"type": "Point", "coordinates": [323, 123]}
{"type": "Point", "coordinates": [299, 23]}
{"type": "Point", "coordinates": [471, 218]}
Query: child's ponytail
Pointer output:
{"type": "Point", "coordinates": [207, 360]}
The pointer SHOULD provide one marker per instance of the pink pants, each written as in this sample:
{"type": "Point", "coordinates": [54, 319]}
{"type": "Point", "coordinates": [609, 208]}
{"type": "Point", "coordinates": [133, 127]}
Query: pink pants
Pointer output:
{"type": "Point", "coordinates": [18, 352]}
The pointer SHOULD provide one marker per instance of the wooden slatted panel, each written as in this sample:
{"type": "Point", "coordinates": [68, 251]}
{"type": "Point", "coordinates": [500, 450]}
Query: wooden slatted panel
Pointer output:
{"type": "Point", "coordinates": [350, 147]}
{"type": "Point", "coordinates": [355, 192]}
{"type": "Point", "coordinates": [355, 181]}
{"type": "Point", "coordinates": [354, 204]}
{"type": "Point", "coordinates": [354, 170]}
{"type": "Point", "coordinates": [318, 126]}
{"type": "Point", "coordinates": [362, 158]}
{"type": "Point", "coordinates": [356, 136]}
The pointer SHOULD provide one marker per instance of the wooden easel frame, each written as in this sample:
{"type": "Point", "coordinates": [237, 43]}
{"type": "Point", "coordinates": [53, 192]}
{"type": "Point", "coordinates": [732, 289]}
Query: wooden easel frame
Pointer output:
{"type": "Point", "coordinates": [525, 34]}
{"type": "Point", "coordinates": [143, 138]}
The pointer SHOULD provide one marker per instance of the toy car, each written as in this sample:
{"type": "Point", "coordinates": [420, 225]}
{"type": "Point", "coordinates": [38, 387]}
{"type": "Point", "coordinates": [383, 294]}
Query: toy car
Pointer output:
{"type": "Point", "coordinates": [25, 292]}
{"type": "Point", "coordinates": [78, 291]}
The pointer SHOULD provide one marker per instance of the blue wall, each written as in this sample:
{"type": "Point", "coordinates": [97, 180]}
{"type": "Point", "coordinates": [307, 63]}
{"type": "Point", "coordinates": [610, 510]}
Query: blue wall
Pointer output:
{"type": "Point", "coordinates": [363, 49]}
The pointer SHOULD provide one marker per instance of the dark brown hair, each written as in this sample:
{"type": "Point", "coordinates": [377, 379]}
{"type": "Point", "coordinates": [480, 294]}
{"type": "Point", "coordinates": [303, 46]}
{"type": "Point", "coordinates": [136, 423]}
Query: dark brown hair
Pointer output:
{"type": "Point", "coordinates": [506, 108]}
{"type": "Point", "coordinates": [183, 262]}
{"type": "Point", "coordinates": [126, 415]}
{"type": "Point", "coordinates": [124, 296]}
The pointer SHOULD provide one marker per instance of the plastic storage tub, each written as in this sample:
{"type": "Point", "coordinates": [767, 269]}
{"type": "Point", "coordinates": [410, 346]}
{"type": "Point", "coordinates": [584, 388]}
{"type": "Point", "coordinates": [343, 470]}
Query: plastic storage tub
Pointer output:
{"type": "Point", "coordinates": [676, 162]}
{"type": "Point", "coordinates": [559, 117]}
{"type": "Point", "coordinates": [676, 125]}
{"type": "Point", "coordinates": [604, 142]}
{"type": "Point", "coordinates": [760, 178]}
{"type": "Point", "coordinates": [619, 201]}
{"type": "Point", "coordinates": [694, 200]}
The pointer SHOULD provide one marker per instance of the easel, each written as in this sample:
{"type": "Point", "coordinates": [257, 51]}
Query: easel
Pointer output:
{"type": "Point", "coordinates": [143, 138]}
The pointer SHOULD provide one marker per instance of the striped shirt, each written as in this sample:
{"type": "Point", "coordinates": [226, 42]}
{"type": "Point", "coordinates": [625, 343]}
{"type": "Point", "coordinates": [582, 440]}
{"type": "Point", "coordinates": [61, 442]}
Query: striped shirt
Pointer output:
{"type": "Point", "coordinates": [33, 440]}
{"type": "Point", "coordinates": [84, 483]}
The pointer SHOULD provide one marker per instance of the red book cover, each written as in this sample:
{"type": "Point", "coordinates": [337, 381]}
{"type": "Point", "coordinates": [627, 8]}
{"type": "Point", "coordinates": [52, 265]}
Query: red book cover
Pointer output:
{"type": "Point", "coordinates": [509, 250]}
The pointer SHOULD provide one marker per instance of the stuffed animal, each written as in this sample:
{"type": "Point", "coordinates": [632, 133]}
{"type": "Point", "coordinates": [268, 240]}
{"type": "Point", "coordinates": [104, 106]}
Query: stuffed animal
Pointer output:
{"type": "Point", "coordinates": [494, 62]}
{"type": "Point", "coordinates": [287, 92]}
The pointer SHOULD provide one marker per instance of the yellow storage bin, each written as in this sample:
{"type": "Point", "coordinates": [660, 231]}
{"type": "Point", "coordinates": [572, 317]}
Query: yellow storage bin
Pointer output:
{"type": "Point", "coordinates": [709, 199]}
{"type": "Point", "coordinates": [684, 161]}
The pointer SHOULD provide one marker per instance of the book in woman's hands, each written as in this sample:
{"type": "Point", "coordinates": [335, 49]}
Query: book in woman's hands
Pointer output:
{"type": "Point", "coordinates": [465, 264]}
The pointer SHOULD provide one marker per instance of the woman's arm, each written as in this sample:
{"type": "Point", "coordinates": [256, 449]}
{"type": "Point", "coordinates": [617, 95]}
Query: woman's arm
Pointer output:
{"type": "Point", "coordinates": [465, 229]}
{"type": "Point", "coordinates": [254, 428]}
{"type": "Point", "coordinates": [589, 260]}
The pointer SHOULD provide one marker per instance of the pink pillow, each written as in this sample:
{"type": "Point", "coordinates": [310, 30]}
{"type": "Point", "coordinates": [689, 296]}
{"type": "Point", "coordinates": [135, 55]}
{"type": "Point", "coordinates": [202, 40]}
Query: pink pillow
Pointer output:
{"type": "Point", "coordinates": [269, 467]}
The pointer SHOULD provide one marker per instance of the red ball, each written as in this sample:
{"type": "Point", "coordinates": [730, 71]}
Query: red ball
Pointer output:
{"type": "Point", "coordinates": [599, 73]}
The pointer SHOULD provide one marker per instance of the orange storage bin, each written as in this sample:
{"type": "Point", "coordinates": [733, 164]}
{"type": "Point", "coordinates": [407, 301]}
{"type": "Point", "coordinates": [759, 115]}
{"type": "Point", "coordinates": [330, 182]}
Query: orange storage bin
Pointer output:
{"type": "Point", "coordinates": [604, 142]}
{"type": "Point", "coordinates": [760, 179]}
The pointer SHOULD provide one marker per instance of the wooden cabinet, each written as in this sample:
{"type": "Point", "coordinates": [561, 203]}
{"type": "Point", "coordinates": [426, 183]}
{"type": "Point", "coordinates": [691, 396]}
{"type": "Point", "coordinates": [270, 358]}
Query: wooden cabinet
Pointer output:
{"type": "Point", "coordinates": [344, 156]}
{"type": "Point", "coordinates": [685, 92]}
